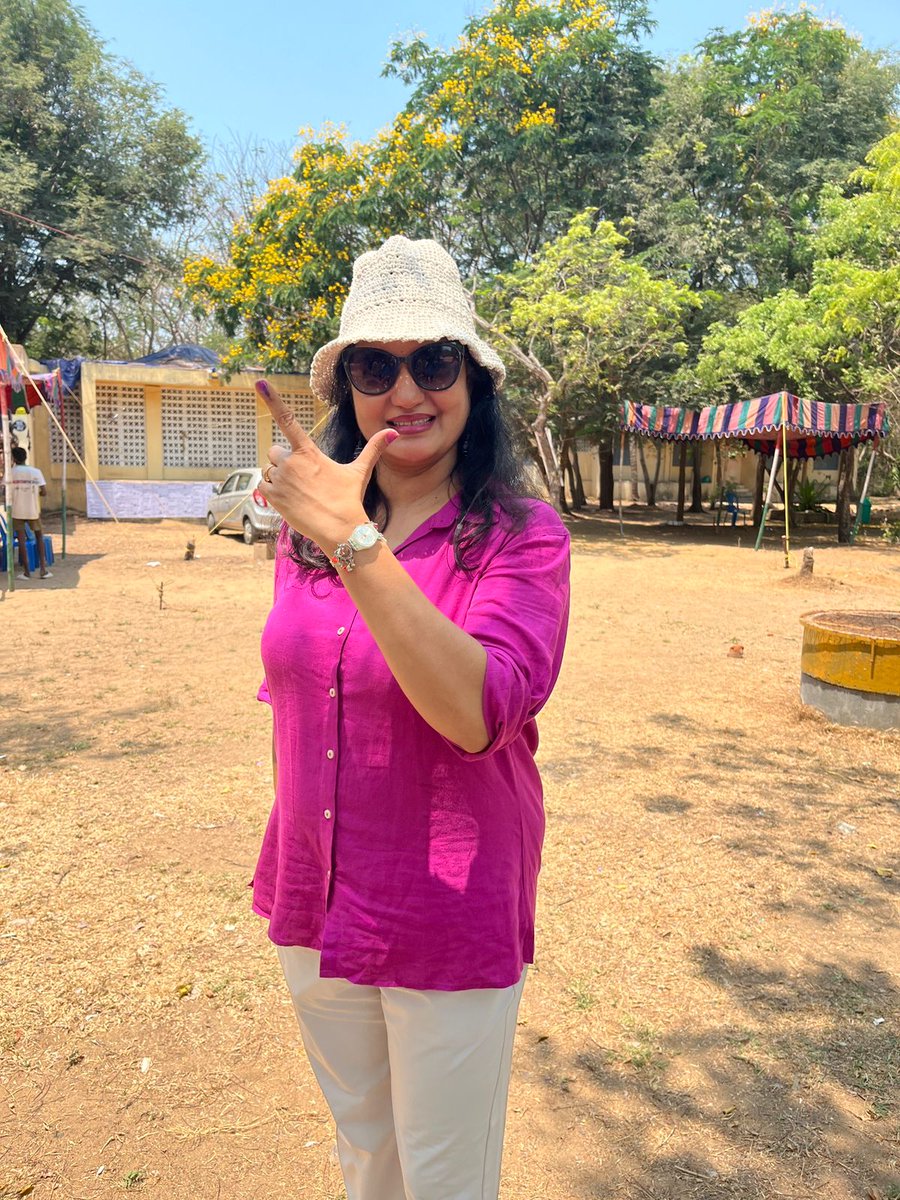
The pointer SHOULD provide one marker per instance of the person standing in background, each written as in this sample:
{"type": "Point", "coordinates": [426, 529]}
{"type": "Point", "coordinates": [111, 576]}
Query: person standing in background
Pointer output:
{"type": "Point", "coordinates": [28, 485]}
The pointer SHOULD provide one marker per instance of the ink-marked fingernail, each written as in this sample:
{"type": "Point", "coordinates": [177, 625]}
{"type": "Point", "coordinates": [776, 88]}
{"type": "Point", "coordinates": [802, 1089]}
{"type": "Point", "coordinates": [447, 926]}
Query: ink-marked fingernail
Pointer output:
{"type": "Point", "coordinates": [262, 387]}
{"type": "Point", "coordinates": [391, 437]}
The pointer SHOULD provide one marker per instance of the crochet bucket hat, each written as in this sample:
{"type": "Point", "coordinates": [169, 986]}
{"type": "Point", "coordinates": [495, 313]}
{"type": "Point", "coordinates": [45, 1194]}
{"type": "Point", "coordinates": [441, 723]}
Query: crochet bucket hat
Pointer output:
{"type": "Point", "coordinates": [405, 291]}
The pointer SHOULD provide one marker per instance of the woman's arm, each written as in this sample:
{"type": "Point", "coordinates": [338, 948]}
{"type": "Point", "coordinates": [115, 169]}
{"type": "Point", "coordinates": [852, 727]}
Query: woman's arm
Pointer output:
{"type": "Point", "coordinates": [439, 667]}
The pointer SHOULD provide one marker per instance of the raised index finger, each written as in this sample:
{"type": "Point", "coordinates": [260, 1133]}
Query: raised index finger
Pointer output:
{"type": "Point", "coordinates": [282, 415]}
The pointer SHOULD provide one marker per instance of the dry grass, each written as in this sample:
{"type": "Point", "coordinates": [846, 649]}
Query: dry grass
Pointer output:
{"type": "Point", "coordinates": [714, 1009]}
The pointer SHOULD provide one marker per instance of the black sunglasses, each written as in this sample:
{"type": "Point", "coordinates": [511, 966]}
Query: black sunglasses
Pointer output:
{"type": "Point", "coordinates": [434, 367]}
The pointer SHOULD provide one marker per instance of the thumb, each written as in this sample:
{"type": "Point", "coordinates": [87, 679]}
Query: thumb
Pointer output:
{"type": "Point", "coordinates": [367, 459]}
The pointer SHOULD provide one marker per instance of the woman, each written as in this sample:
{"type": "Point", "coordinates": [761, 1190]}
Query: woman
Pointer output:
{"type": "Point", "coordinates": [420, 611]}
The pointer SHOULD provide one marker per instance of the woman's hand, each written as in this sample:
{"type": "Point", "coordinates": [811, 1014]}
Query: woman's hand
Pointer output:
{"type": "Point", "coordinates": [321, 499]}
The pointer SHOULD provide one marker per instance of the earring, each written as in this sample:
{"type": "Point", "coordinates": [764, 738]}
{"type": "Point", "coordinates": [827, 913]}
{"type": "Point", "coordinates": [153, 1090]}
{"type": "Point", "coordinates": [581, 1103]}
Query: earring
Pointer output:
{"type": "Point", "coordinates": [464, 447]}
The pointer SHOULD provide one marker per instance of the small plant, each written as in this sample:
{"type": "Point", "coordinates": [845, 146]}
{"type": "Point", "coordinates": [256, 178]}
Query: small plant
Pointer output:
{"type": "Point", "coordinates": [134, 1179]}
{"type": "Point", "coordinates": [582, 993]}
{"type": "Point", "coordinates": [890, 531]}
{"type": "Point", "coordinates": [809, 495]}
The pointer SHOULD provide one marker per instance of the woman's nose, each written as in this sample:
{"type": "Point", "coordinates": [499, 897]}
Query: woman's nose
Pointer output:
{"type": "Point", "coordinates": [406, 390]}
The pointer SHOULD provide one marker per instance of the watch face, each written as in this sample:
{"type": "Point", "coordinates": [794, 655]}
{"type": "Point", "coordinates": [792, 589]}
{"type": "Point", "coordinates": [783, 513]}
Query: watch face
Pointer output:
{"type": "Point", "coordinates": [363, 537]}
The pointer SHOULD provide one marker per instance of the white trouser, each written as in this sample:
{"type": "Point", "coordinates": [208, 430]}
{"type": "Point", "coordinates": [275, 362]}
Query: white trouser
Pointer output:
{"type": "Point", "coordinates": [416, 1081]}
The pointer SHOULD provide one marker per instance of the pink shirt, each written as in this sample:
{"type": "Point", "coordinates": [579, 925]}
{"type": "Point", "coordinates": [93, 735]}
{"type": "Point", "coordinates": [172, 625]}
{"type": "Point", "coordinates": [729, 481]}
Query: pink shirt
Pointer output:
{"type": "Point", "coordinates": [405, 860]}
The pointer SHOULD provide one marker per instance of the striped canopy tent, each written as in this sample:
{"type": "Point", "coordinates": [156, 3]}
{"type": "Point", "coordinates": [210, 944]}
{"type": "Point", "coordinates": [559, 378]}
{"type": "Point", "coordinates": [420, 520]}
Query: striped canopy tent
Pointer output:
{"type": "Point", "coordinates": [812, 429]}
{"type": "Point", "coordinates": [777, 426]}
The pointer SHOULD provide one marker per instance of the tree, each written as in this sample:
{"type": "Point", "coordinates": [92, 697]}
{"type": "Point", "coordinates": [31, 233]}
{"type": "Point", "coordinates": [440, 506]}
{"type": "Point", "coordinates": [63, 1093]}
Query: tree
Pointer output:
{"type": "Point", "coordinates": [586, 326]}
{"type": "Point", "coordinates": [747, 133]}
{"type": "Point", "coordinates": [279, 294]}
{"type": "Point", "coordinates": [87, 148]}
{"type": "Point", "coordinates": [541, 106]}
{"type": "Point", "coordinates": [529, 119]}
{"type": "Point", "coordinates": [839, 340]}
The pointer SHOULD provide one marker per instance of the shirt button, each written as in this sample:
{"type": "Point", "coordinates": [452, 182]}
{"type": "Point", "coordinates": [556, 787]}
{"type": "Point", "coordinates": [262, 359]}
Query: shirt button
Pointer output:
{"type": "Point", "coordinates": [331, 692]}
{"type": "Point", "coordinates": [329, 754]}
{"type": "Point", "coordinates": [327, 815]}
{"type": "Point", "coordinates": [340, 628]}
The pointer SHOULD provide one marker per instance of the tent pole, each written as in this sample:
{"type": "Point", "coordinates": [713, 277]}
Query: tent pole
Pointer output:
{"type": "Point", "coordinates": [773, 471]}
{"type": "Point", "coordinates": [621, 464]}
{"type": "Point", "coordinates": [855, 529]}
{"type": "Point", "coordinates": [787, 505]}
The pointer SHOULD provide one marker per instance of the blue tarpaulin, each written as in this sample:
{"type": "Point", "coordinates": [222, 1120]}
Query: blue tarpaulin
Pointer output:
{"type": "Point", "coordinates": [197, 357]}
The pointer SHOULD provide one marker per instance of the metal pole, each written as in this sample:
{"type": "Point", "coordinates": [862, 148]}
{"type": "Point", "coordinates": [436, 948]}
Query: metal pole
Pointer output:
{"type": "Point", "coordinates": [855, 529]}
{"type": "Point", "coordinates": [621, 464]}
{"type": "Point", "coordinates": [773, 471]}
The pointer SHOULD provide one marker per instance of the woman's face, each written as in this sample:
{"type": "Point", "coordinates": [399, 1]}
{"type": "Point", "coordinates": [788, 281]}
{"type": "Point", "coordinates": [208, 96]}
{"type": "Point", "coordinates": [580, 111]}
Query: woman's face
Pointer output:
{"type": "Point", "coordinates": [430, 424]}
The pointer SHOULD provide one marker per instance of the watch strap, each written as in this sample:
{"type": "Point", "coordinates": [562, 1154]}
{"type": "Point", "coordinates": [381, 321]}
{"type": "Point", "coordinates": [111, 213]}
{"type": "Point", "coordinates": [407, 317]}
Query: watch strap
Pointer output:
{"type": "Point", "coordinates": [344, 555]}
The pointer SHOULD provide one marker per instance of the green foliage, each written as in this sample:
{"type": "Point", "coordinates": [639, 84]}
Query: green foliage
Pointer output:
{"type": "Point", "coordinates": [809, 495]}
{"type": "Point", "coordinates": [85, 146]}
{"type": "Point", "coordinates": [528, 119]}
{"type": "Point", "coordinates": [839, 339]}
{"type": "Point", "coordinates": [748, 131]}
{"type": "Point", "coordinates": [595, 318]}
{"type": "Point", "coordinates": [280, 294]}
{"type": "Point", "coordinates": [541, 105]}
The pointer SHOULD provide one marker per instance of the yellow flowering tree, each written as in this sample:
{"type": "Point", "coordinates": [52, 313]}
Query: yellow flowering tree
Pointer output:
{"type": "Point", "coordinates": [540, 106]}
{"type": "Point", "coordinates": [527, 120]}
{"type": "Point", "coordinates": [288, 270]}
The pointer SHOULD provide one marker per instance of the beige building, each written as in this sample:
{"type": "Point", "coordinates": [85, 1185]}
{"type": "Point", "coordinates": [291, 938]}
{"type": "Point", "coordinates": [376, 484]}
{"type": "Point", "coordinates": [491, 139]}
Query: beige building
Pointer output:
{"type": "Point", "coordinates": [738, 464]}
{"type": "Point", "coordinates": [156, 439]}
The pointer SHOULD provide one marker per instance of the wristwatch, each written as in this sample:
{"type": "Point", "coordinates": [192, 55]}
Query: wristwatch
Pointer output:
{"type": "Point", "coordinates": [363, 537]}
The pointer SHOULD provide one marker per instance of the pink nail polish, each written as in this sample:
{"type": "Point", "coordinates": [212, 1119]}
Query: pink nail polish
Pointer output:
{"type": "Point", "coordinates": [391, 437]}
{"type": "Point", "coordinates": [262, 387]}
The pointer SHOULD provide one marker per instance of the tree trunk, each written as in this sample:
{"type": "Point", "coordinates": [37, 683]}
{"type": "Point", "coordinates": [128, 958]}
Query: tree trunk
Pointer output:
{"type": "Point", "coordinates": [651, 500]}
{"type": "Point", "coordinates": [573, 473]}
{"type": "Point", "coordinates": [758, 489]}
{"type": "Point", "coordinates": [793, 477]}
{"type": "Point", "coordinates": [696, 494]}
{"type": "Point", "coordinates": [682, 482]}
{"type": "Point", "coordinates": [845, 486]}
{"type": "Point", "coordinates": [579, 493]}
{"type": "Point", "coordinates": [607, 485]}
{"type": "Point", "coordinates": [632, 459]}
{"type": "Point", "coordinates": [565, 473]}
{"type": "Point", "coordinates": [546, 450]}
{"type": "Point", "coordinates": [649, 485]}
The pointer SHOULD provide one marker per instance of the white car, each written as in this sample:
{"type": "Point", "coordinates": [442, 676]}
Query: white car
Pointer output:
{"type": "Point", "coordinates": [236, 505]}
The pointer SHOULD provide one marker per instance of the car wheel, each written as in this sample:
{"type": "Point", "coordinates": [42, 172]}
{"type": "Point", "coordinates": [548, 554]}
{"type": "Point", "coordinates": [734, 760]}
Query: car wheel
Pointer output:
{"type": "Point", "coordinates": [249, 532]}
{"type": "Point", "coordinates": [211, 523]}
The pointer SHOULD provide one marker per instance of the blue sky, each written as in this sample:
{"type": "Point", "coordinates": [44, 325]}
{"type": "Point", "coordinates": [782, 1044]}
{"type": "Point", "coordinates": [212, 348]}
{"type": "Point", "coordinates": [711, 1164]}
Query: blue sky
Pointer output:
{"type": "Point", "coordinates": [262, 70]}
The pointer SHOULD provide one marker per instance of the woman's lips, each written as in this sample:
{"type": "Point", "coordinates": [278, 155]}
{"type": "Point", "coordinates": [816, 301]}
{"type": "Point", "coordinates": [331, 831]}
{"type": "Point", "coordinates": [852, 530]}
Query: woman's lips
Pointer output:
{"type": "Point", "coordinates": [407, 426]}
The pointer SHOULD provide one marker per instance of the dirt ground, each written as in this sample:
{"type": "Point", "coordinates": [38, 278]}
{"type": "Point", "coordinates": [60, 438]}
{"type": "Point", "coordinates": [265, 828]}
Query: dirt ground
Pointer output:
{"type": "Point", "coordinates": [714, 1009]}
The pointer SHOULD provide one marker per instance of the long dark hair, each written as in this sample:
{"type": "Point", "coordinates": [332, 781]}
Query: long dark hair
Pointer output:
{"type": "Point", "coordinates": [489, 473]}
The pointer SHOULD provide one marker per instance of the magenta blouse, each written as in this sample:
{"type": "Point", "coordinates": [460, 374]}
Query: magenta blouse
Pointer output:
{"type": "Point", "coordinates": [405, 860]}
